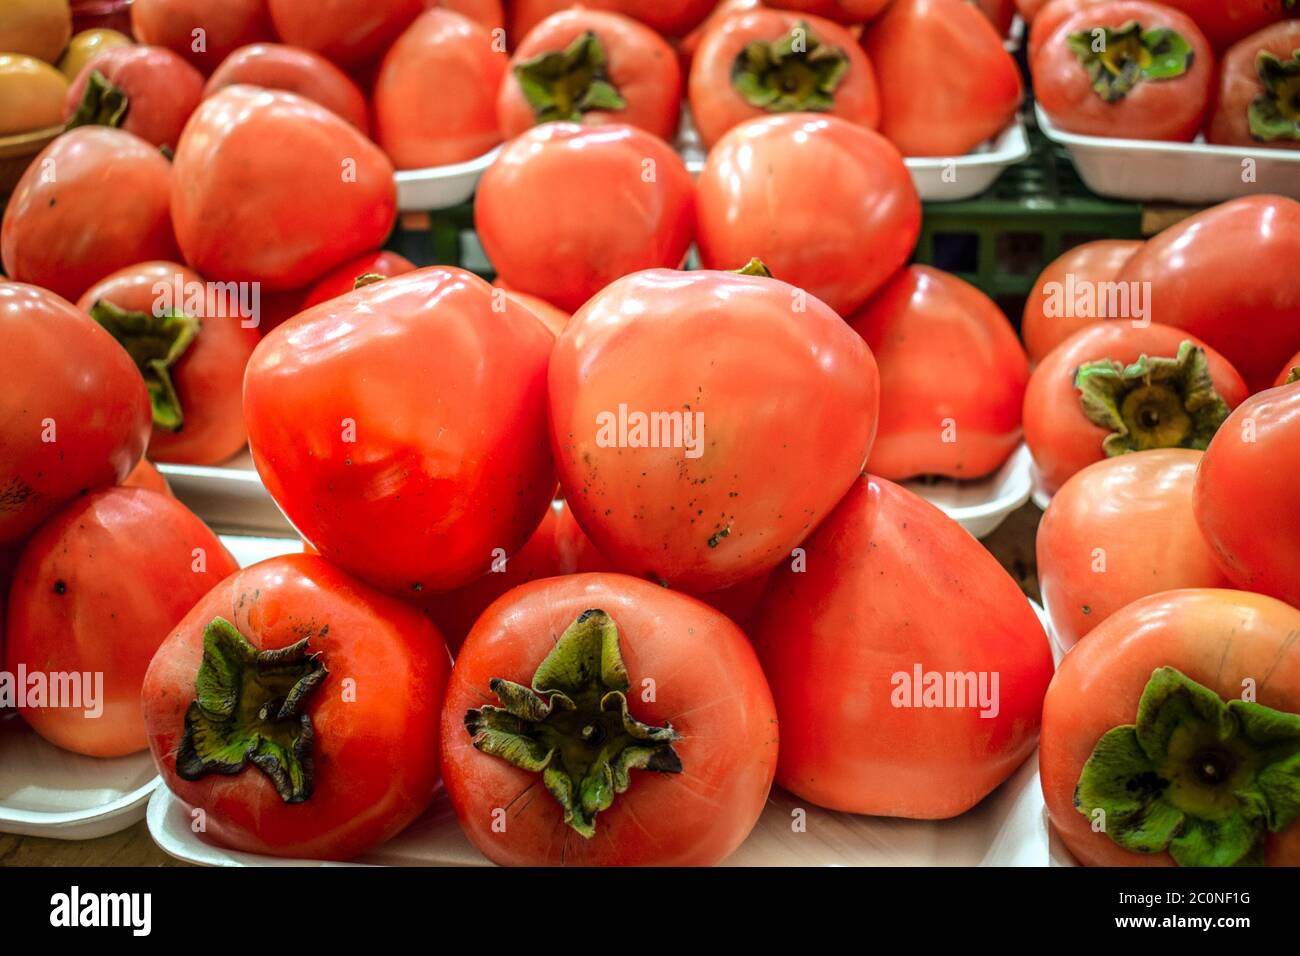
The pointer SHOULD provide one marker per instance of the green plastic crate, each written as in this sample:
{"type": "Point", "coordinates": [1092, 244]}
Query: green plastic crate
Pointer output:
{"type": "Point", "coordinates": [1001, 240]}
{"type": "Point", "coordinates": [445, 237]}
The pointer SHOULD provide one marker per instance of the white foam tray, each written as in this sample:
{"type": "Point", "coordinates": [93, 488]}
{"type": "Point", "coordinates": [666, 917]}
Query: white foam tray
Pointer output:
{"type": "Point", "coordinates": [49, 792]}
{"type": "Point", "coordinates": [231, 497]}
{"type": "Point", "coordinates": [1194, 173]}
{"type": "Point", "coordinates": [440, 187]}
{"type": "Point", "coordinates": [1041, 497]}
{"type": "Point", "coordinates": [1009, 828]}
{"type": "Point", "coordinates": [981, 506]}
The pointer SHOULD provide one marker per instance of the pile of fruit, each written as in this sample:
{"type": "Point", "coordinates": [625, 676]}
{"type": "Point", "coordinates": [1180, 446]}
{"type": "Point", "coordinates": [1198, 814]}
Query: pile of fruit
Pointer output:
{"type": "Point", "coordinates": [1134, 69]}
{"type": "Point", "coordinates": [607, 548]}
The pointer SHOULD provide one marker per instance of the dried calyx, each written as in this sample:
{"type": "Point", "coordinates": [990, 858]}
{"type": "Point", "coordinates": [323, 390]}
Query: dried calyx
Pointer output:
{"type": "Point", "coordinates": [565, 84]}
{"type": "Point", "coordinates": [1153, 403]}
{"type": "Point", "coordinates": [573, 725]}
{"type": "Point", "coordinates": [1118, 59]}
{"type": "Point", "coordinates": [249, 708]}
{"type": "Point", "coordinates": [155, 343]}
{"type": "Point", "coordinates": [103, 104]}
{"type": "Point", "coordinates": [795, 73]}
{"type": "Point", "coordinates": [1275, 113]}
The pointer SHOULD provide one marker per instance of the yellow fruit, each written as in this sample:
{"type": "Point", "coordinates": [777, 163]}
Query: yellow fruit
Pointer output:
{"type": "Point", "coordinates": [85, 45]}
{"type": "Point", "coordinates": [31, 94]}
{"type": "Point", "coordinates": [38, 28]}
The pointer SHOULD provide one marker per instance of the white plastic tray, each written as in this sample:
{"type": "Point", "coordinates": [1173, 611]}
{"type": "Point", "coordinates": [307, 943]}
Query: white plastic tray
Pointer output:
{"type": "Point", "coordinates": [440, 187]}
{"type": "Point", "coordinates": [231, 497]}
{"type": "Point", "coordinates": [981, 506]}
{"type": "Point", "coordinates": [937, 179]}
{"type": "Point", "coordinates": [1009, 828]}
{"type": "Point", "coordinates": [49, 792]}
{"type": "Point", "coordinates": [1195, 173]}
{"type": "Point", "coordinates": [1040, 496]}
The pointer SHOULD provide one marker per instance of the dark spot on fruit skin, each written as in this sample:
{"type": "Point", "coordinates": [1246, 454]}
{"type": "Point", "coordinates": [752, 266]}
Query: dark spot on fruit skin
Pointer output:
{"type": "Point", "coordinates": [60, 587]}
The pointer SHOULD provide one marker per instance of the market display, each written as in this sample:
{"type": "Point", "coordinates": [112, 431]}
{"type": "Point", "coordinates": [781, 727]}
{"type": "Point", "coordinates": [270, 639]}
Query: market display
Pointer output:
{"type": "Point", "coordinates": [624, 496]}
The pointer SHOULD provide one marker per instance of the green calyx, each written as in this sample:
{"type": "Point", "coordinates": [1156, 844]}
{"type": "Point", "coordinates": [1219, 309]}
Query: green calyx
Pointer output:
{"type": "Point", "coordinates": [248, 709]}
{"type": "Point", "coordinates": [565, 84]}
{"type": "Point", "coordinates": [103, 104]}
{"type": "Point", "coordinates": [155, 343]}
{"type": "Point", "coordinates": [754, 267]}
{"type": "Point", "coordinates": [1204, 779]}
{"type": "Point", "coordinates": [1117, 60]}
{"type": "Point", "coordinates": [572, 725]}
{"type": "Point", "coordinates": [1153, 403]}
{"type": "Point", "coordinates": [1293, 377]}
{"type": "Point", "coordinates": [1275, 113]}
{"type": "Point", "coordinates": [796, 73]}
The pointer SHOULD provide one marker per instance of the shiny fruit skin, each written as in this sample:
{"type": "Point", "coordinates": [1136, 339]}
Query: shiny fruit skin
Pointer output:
{"type": "Point", "coordinates": [97, 590]}
{"type": "Point", "coordinates": [66, 380]}
{"type": "Point", "coordinates": [952, 377]}
{"type": "Point", "coordinates": [1198, 282]}
{"type": "Point", "coordinates": [1247, 499]}
{"type": "Point", "coordinates": [375, 751]}
{"type": "Point", "coordinates": [273, 188]}
{"type": "Point", "coordinates": [208, 377]}
{"type": "Point", "coordinates": [727, 502]}
{"type": "Point", "coordinates": [835, 637]}
{"type": "Point", "coordinates": [93, 201]}
{"type": "Point", "coordinates": [402, 428]}
{"type": "Point", "coordinates": [1090, 264]}
{"type": "Point", "coordinates": [544, 235]}
{"type": "Point", "coordinates": [827, 205]}
{"type": "Point", "coordinates": [1217, 638]}
{"type": "Point", "coordinates": [31, 94]}
{"type": "Point", "coordinates": [1118, 530]}
{"type": "Point", "coordinates": [708, 685]}
{"type": "Point", "coordinates": [436, 92]}
{"type": "Point", "coordinates": [1060, 436]}
{"type": "Point", "coordinates": [276, 66]}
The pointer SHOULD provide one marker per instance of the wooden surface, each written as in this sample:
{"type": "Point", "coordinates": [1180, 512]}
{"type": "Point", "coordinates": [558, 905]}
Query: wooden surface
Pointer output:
{"type": "Point", "coordinates": [1012, 544]}
{"type": "Point", "coordinates": [131, 847]}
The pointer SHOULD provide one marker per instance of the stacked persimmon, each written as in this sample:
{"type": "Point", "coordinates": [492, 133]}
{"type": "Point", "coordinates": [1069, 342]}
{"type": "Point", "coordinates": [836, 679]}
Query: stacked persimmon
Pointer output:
{"type": "Point", "coordinates": [1168, 556]}
{"type": "Point", "coordinates": [728, 548]}
{"type": "Point", "coordinates": [1134, 69]}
